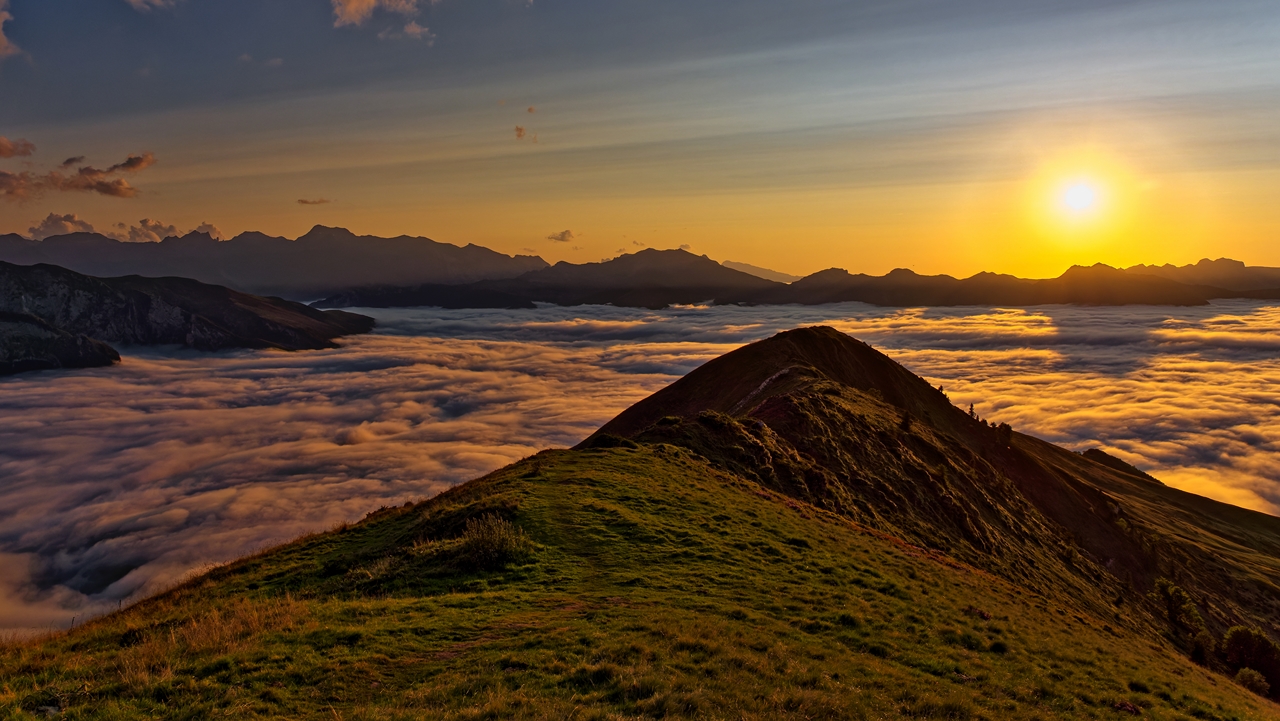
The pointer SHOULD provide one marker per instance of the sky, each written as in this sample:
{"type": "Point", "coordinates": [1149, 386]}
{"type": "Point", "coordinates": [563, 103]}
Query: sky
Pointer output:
{"type": "Point", "coordinates": [1015, 136]}
{"type": "Point", "coordinates": [120, 481]}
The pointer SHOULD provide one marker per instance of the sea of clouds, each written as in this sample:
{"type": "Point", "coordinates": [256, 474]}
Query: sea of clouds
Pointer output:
{"type": "Point", "coordinates": [117, 482]}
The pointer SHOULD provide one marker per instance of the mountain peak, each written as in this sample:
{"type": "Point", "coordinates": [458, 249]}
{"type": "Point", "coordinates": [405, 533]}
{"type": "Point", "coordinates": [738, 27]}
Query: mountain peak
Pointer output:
{"type": "Point", "coordinates": [737, 382]}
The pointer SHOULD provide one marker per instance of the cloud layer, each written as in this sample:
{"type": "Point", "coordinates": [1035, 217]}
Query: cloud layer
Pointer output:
{"type": "Point", "coordinates": [118, 481]}
{"type": "Point", "coordinates": [55, 224]}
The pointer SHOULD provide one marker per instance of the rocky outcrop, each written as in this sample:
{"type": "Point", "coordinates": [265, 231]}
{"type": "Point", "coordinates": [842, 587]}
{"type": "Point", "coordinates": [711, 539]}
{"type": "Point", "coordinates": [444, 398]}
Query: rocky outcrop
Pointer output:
{"type": "Point", "coordinates": [30, 344]}
{"type": "Point", "coordinates": [168, 311]}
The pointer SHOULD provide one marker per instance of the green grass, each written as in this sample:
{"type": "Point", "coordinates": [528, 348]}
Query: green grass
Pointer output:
{"type": "Point", "coordinates": [630, 583]}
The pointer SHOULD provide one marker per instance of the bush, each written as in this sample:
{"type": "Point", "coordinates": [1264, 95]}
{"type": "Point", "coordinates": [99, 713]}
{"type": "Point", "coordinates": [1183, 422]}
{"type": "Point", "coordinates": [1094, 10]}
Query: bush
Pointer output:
{"type": "Point", "coordinates": [491, 542]}
{"type": "Point", "coordinates": [1247, 648]}
{"type": "Point", "coordinates": [1253, 681]}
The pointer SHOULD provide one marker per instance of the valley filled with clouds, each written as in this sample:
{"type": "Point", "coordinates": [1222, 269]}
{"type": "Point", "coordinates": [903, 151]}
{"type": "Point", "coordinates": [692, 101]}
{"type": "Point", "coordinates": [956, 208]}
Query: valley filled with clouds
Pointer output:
{"type": "Point", "coordinates": [118, 482]}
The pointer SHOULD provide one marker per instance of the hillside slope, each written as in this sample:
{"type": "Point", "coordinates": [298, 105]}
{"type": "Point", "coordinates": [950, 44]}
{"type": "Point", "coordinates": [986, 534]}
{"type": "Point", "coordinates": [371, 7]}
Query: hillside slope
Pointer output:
{"type": "Point", "coordinates": [670, 578]}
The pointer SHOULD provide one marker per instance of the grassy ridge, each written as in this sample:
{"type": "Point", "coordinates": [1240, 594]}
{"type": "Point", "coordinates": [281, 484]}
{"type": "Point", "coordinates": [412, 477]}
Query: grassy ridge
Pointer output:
{"type": "Point", "coordinates": [651, 585]}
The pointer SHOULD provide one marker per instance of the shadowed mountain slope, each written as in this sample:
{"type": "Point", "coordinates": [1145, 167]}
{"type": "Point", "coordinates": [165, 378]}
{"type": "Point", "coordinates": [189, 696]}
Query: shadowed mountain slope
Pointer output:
{"type": "Point", "coordinates": [800, 529]}
{"type": "Point", "coordinates": [766, 273]}
{"type": "Point", "coordinates": [30, 344]}
{"type": "Point", "coordinates": [163, 311]}
{"type": "Point", "coordinates": [322, 262]}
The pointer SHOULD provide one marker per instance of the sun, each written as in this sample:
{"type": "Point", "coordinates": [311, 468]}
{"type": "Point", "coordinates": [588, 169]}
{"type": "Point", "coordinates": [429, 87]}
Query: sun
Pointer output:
{"type": "Point", "coordinates": [1079, 198]}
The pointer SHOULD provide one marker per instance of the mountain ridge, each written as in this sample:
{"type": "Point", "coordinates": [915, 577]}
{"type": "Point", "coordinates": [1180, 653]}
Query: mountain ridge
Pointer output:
{"type": "Point", "coordinates": [321, 262]}
{"type": "Point", "coordinates": [657, 279]}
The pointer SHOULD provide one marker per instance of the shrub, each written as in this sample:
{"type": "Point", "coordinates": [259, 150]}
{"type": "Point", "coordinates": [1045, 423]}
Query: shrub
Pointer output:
{"type": "Point", "coordinates": [1253, 681]}
{"type": "Point", "coordinates": [491, 542]}
{"type": "Point", "coordinates": [1247, 648]}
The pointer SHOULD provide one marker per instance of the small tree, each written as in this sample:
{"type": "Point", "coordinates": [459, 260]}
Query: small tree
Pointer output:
{"type": "Point", "coordinates": [1004, 434]}
{"type": "Point", "coordinates": [1179, 608]}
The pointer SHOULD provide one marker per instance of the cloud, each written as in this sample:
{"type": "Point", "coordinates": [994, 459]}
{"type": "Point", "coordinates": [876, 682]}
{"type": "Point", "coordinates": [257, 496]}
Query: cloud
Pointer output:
{"type": "Point", "coordinates": [27, 184]}
{"type": "Point", "coordinates": [685, 246]}
{"type": "Point", "coordinates": [317, 201]}
{"type": "Point", "coordinates": [146, 231]}
{"type": "Point", "coordinates": [355, 12]}
{"type": "Point", "coordinates": [520, 132]}
{"type": "Point", "coordinates": [411, 30]}
{"type": "Point", "coordinates": [76, 160]}
{"type": "Point", "coordinates": [532, 110]}
{"type": "Point", "coordinates": [7, 48]}
{"type": "Point", "coordinates": [147, 5]}
{"type": "Point", "coordinates": [563, 236]}
{"type": "Point", "coordinates": [120, 480]}
{"type": "Point", "coordinates": [132, 164]}
{"type": "Point", "coordinates": [56, 224]}
{"type": "Point", "coordinates": [274, 63]}
{"type": "Point", "coordinates": [209, 229]}
{"type": "Point", "coordinates": [15, 148]}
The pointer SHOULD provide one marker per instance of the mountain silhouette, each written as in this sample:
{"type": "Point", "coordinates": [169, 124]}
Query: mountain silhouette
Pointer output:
{"type": "Point", "coordinates": [321, 262]}
{"type": "Point", "coordinates": [659, 278]}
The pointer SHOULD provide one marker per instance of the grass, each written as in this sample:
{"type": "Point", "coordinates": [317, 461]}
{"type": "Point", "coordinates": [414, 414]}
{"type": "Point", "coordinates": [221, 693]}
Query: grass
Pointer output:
{"type": "Point", "coordinates": [613, 583]}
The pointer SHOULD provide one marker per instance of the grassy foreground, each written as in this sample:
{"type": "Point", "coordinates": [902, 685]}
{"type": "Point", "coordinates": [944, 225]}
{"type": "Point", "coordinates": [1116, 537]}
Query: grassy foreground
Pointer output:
{"type": "Point", "coordinates": [649, 585]}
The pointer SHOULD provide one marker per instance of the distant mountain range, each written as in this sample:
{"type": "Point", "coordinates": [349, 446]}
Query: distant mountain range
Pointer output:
{"type": "Point", "coordinates": [659, 278]}
{"type": "Point", "coordinates": [347, 270]}
{"type": "Point", "coordinates": [320, 263]}
{"type": "Point", "coordinates": [51, 317]}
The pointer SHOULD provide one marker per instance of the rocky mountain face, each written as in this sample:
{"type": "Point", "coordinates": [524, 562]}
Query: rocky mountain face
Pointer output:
{"type": "Point", "coordinates": [322, 262]}
{"type": "Point", "coordinates": [166, 311]}
{"type": "Point", "coordinates": [27, 343]}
